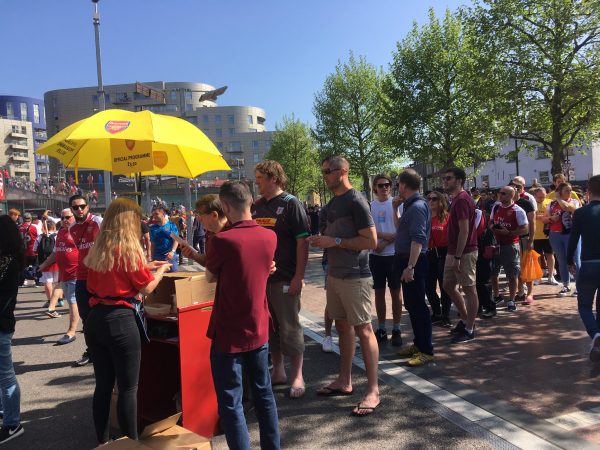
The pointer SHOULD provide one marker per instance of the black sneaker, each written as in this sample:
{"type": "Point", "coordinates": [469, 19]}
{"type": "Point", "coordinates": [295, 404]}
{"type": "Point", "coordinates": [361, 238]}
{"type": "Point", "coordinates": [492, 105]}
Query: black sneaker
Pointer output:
{"type": "Point", "coordinates": [463, 336]}
{"type": "Point", "coordinates": [488, 313]}
{"type": "Point", "coordinates": [460, 326]}
{"type": "Point", "coordinates": [498, 299]}
{"type": "Point", "coordinates": [85, 359]}
{"type": "Point", "coordinates": [435, 319]}
{"type": "Point", "coordinates": [446, 323]}
{"type": "Point", "coordinates": [519, 298]}
{"type": "Point", "coordinates": [511, 306]}
{"type": "Point", "coordinates": [396, 338]}
{"type": "Point", "coordinates": [381, 335]}
{"type": "Point", "coordinates": [9, 433]}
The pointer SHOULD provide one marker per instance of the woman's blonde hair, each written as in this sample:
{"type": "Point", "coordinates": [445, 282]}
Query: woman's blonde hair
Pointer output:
{"type": "Point", "coordinates": [118, 242]}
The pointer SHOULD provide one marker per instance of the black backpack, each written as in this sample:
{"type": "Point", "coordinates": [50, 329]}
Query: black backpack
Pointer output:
{"type": "Point", "coordinates": [45, 247]}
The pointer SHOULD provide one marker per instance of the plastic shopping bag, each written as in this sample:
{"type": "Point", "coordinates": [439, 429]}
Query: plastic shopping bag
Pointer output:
{"type": "Point", "coordinates": [530, 266]}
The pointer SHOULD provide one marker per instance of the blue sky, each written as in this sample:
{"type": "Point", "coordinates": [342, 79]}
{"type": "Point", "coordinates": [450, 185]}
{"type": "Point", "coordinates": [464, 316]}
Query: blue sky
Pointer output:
{"type": "Point", "coordinates": [273, 54]}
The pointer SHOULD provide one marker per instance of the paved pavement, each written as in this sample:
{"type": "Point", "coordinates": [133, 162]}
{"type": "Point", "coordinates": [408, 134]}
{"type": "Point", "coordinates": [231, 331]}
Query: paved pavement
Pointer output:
{"type": "Point", "coordinates": [525, 382]}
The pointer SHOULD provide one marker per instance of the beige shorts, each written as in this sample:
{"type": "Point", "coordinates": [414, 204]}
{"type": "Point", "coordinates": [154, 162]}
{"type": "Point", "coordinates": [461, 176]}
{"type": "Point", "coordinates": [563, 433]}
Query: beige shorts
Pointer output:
{"type": "Point", "coordinates": [466, 277]}
{"type": "Point", "coordinates": [349, 299]}
{"type": "Point", "coordinates": [288, 336]}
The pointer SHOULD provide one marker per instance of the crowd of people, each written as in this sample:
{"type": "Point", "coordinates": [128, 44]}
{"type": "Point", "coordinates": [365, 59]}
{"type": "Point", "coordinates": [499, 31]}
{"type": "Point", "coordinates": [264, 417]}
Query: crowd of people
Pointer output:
{"type": "Point", "coordinates": [430, 251]}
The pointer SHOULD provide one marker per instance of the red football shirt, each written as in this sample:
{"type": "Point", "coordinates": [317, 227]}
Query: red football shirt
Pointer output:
{"type": "Point", "coordinates": [67, 255]}
{"type": "Point", "coordinates": [463, 207]}
{"type": "Point", "coordinates": [84, 235]}
{"type": "Point", "coordinates": [30, 233]}
{"type": "Point", "coordinates": [240, 257]}
{"type": "Point", "coordinates": [117, 283]}
{"type": "Point", "coordinates": [510, 217]}
{"type": "Point", "coordinates": [439, 235]}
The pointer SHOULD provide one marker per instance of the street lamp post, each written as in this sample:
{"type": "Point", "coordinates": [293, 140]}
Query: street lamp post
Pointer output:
{"type": "Point", "coordinates": [101, 97]}
{"type": "Point", "coordinates": [517, 156]}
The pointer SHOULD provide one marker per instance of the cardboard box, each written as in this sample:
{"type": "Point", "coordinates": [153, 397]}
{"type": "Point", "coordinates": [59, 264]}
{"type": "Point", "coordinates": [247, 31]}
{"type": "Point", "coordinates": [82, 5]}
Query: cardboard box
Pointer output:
{"type": "Point", "coordinates": [162, 435]}
{"type": "Point", "coordinates": [189, 289]}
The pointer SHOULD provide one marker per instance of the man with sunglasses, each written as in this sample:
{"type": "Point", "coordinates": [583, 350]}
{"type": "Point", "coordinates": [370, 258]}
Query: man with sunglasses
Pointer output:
{"type": "Point", "coordinates": [508, 222]}
{"type": "Point", "coordinates": [83, 232]}
{"type": "Point", "coordinates": [381, 260]}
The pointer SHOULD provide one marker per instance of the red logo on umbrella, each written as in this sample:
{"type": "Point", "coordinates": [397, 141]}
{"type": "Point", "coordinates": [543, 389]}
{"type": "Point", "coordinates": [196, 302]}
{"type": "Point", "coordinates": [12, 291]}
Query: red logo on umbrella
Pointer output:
{"type": "Point", "coordinates": [129, 144]}
{"type": "Point", "coordinates": [116, 126]}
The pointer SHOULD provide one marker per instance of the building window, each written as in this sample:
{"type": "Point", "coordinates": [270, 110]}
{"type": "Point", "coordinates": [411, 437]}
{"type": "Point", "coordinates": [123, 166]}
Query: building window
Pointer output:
{"type": "Point", "coordinates": [23, 111]}
{"type": "Point", "coordinates": [220, 146]}
{"type": "Point", "coordinates": [267, 145]}
{"type": "Point", "coordinates": [188, 95]}
{"type": "Point", "coordinates": [235, 146]}
{"type": "Point", "coordinates": [10, 113]}
{"type": "Point", "coordinates": [193, 119]}
{"type": "Point", "coordinates": [36, 113]}
{"type": "Point", "coordinates": [218, 119]}
{"type": "Point", "coordinates": [231, 132]}
{"type": "Point", "coordinates": [485, 181]}
{"type": "Point", "coordinates": [541, 153]}
{"type": "Point", "coordinates": [255, 145]}
{"type": "Point", "coordinates": [256, 158]}
{"type": "Point", "coordinates": [122, 97]}
{"type": "Point", "coordinates": [230, 119]}
{"type": "Point", "coordinates": [23, 129]}
{"type": "Point", "coordinates": [250, 119]}
{"type": "Point", "coordinates": [189, 107]}
{"type": "Point", "coordinates": [252, 130]}
{"type": "Point", "coordinates": [173, 95]}
{"type": "Point", "coordinates": [205, 119]}
{"type": "Point", "coordinates": [219, 132]}
{"type": "Point", "coordinates": [544, 176]}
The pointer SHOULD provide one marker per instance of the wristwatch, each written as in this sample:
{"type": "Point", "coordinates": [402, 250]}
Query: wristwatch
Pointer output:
{"type": "Point", "coordinates": [338, 242]}
{"type": "Point", "coordinates": [457, 257]}
{"type": "Point", "coordinates": [410, 267]}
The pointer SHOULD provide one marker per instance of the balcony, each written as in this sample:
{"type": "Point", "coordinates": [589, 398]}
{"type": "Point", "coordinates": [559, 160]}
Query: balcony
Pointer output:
{"type": "Point", "coordinates": [21, 168]}
{"type": "Point", "coordinates": [19, 145]}
{"type": "Point", "coordinates": [20, 156]}
{"type": "Point", "coordinates": [18, 134]}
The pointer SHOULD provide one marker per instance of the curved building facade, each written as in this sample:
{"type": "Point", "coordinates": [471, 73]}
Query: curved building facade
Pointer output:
{"type": "Point", "coordinates": [23, 127]}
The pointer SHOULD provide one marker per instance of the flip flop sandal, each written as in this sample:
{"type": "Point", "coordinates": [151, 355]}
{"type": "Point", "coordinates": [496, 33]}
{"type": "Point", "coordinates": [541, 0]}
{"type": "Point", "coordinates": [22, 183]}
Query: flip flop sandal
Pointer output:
{"type": "Point", "coordinates": [299, 391]}
{"type": "Point", "coordinates": [370, 409]}
{"type": "Point", "coordinates": [333, 392]}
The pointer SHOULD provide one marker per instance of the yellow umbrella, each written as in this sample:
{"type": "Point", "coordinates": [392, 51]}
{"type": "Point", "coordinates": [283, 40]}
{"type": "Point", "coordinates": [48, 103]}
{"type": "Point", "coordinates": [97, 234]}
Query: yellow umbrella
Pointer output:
{"type": "Point", "coordinates": [126, 142]}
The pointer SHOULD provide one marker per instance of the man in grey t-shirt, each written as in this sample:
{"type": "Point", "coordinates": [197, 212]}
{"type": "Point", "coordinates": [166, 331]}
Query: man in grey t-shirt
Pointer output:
{"type": "Point", "coordinates": [349, 235]}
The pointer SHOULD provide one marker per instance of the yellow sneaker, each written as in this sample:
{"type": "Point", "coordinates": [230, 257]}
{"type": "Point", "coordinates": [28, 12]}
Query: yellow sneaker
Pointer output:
{"type": "Point", "coordinates": [408, 350]}
{"type": "Point", "coordinates": [420, 359]}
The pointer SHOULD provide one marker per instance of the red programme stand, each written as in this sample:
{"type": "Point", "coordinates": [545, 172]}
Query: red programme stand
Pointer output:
{"type": "Point", "coordinates": [180, 363]}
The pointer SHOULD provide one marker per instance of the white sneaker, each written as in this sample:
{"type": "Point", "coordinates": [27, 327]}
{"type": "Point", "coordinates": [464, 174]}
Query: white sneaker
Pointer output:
{"type": "Point", "coordinates": [551, 281]}
{"type": "Point", "coordinates": [537, 282]}
{"type": "Point", "coordinates": [327, 344]}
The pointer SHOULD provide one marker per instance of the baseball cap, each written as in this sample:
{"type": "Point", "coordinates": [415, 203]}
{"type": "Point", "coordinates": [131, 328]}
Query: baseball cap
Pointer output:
{"type": "Point", "coordinates": [27, 215]}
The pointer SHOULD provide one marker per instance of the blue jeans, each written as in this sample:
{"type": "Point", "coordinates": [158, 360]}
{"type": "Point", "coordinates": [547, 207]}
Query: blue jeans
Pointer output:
{"type": "Point", "coordinates": [588, 287]}
{"type": "Point", "coordinates": [414, 301]}
{"type": "Point", "coordinates": [560, 243]}
{"type": "Point", "coordinates": [227, 371]}
{"type": "Point", "coordinates": [11, 393]}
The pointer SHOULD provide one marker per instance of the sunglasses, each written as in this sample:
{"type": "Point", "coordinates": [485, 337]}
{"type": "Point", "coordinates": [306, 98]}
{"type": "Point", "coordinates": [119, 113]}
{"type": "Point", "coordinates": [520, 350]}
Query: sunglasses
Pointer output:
{"type": "Point", "coordinates": [81, 207]}
{"type": "Point", "coordinates": [384, 185]}
{"type": "Point", "coordinates": [66, 217]}
{"type": "Point", "coordinates": [328, 171]}
{"type": "Point", "coordinates": [448, 178]}
{"type": "Point", "coordinates": [433, 199]}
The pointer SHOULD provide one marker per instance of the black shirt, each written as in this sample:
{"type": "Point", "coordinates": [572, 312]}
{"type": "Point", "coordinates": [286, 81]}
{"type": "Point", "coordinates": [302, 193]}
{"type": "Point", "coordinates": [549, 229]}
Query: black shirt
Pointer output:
{"type": "Point", "coordinates": [285, 215]}
{"type": "Point", "coordinates": [9, 287]}
{"type": "Point", "coordinates": [586, 223]}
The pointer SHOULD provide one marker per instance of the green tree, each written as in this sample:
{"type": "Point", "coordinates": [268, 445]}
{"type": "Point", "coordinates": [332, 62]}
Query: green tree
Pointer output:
{"type": "Point", "coordinates": [348, 118]}
{"type": "Point", "coordinates": [438, 108]}
{"type": "Point", "coordinates": [294, 148]}
{"type": "Point", "coordinates": [548, 52]}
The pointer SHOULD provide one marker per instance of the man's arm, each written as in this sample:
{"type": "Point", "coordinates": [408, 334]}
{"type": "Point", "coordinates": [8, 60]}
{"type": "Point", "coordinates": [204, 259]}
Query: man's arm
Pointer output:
{"type": "Point", "coordinates": [408, 275]}
{"type": "Point", "coordinates": [574, 236]}
{"type": "Point", "coordinates": [48, 262]}
{"type": "Point", "coordinates": [297, 281]}
{"type": "Point", "coordinates": [366, 240]}
{"type": "Point", "coordinates": [531, 219]}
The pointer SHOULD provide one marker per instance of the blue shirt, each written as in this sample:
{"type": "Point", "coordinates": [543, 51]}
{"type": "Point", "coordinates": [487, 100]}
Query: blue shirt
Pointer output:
{"type": "Point", "coordinates": [415, 224]}
{"type": "Point", "coordinates": [160, 236]}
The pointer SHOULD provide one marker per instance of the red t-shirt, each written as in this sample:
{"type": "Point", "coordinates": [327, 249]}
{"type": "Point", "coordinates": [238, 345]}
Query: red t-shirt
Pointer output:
{"type": "Point", "coordinates": [439, 234]}
{"type": "Point", "coordinates": [463, 207]}
{"type": "Point", "coordinates": [117, 283]}
{"type": "Point", "coordinates": [240, 257]}
{"type": "Point", "coordinates": [554, 208]}
{"type": "Point", "coordinates": [84, 235]}
{"type": "Point", "coordinates": [510, 217]}
{"type": "Point", "coordinates": [67, 255]}
{"type": "Point", "coordinates": [30, 233]}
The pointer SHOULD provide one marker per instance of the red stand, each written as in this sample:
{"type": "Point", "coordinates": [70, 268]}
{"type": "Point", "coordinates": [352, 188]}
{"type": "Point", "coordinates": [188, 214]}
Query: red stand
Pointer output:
{"type": "Point", "coordinates": [180, 364]}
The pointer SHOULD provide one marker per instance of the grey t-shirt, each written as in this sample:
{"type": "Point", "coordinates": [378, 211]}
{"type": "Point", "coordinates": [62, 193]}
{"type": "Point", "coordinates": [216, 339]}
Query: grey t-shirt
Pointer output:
{"type": "Point", "coordinates": [346, 214]}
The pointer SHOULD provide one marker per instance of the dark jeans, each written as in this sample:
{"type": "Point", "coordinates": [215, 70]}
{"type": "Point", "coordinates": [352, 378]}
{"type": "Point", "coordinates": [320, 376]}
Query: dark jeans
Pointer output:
{"type": "Point", "coordinates": [83, 297]}
{"type": "Point", "coordinates": [115, 346]}
{"type": "Point", "coordinates": [588, 288]}
{"type": "Point", "coordinates": [227, 376]}
{"type": "Point", "coordinates": [414, 301]}
{"type": "Point", "coordinates": [439, 306]}
{"type": "Point", "coordinates": [199, 244]}
{"type": "Point", "coordinates": [483, 273]}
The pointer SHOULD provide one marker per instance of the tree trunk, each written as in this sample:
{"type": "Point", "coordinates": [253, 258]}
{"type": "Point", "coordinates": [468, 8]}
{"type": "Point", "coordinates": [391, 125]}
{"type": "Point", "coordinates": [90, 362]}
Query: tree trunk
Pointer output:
{"type": "Point", "coordinates": [366, 184]}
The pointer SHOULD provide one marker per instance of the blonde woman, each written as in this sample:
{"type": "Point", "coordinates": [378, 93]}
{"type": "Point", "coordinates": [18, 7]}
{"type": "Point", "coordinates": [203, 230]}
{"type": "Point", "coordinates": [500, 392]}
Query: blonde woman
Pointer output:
{"type": "Point", "coordinates": [117, 274]}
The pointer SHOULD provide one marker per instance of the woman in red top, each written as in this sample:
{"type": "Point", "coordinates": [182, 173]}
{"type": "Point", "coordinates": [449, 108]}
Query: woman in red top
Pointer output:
{"type": "Point", "coordinates": [436, 254]}
{"type": "Point", "coordinates": [560, 216]}
{"type": "Point", "coordinates": [117, 274]}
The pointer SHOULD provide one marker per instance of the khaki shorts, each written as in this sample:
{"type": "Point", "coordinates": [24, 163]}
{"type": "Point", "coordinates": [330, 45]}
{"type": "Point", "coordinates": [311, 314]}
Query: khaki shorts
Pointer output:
{"type": "Point", "coordinates": [349, 299]}
{"type": "Point", "coordinates": [288, 336]}
{"type": "Point", "coordinates": [468, 265]}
